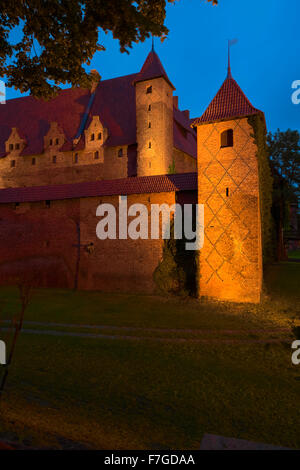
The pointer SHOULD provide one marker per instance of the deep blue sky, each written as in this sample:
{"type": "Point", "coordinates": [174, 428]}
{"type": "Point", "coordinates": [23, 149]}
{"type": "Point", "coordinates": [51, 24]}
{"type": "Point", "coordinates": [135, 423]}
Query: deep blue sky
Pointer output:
{"type": "Point", "coordinates": [264, 62]}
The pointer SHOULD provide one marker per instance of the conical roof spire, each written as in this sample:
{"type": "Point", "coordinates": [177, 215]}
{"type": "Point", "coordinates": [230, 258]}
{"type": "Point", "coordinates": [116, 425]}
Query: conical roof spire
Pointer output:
{"type": "Point", "coordinates": [230, 101]}
{"type": "Point", "coordinates": [152, 68]}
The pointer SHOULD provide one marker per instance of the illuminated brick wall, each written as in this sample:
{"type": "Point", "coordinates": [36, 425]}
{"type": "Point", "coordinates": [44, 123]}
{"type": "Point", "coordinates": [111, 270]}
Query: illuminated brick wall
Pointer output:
{"type": "Point", "coordinates": [231, 259]}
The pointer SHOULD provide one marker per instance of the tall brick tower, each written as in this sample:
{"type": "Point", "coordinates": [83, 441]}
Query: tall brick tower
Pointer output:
{"type": "Point", "coordinates": [154, 118]}
{"type": "Point", "coordinates": [228, 185]}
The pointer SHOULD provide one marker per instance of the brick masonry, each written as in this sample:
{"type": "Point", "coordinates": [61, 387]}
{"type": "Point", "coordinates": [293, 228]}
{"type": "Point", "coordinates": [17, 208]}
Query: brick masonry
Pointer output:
{"type": "Point", "coordinates": [231, 259]}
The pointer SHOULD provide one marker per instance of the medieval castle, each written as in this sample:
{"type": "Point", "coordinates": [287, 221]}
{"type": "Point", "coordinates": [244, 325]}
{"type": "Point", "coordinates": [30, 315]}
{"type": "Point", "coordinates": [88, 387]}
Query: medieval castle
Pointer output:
{"type": "Point", "coordinates": [127, 136]}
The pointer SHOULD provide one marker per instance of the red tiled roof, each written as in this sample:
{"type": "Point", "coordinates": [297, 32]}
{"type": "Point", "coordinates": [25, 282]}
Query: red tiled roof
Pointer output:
{"type": "Point", "coordinates": [229, 102]}
{"type": "Point", "coordinates": [136, 185]}
{"type": "Point", "coordinates": [114, 103]}
{"type": "Point", "coordinates": [152, 68]}
{"type": "Point", "coordinates": [185, 138]}
{"type": "Point", "coordinates": [32, 117]}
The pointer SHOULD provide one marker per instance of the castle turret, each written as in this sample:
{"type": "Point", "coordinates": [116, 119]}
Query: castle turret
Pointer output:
{"type": "Point", "coordinates": [228, 186]}
{"type": "Point", "coordinates": [154, 118]}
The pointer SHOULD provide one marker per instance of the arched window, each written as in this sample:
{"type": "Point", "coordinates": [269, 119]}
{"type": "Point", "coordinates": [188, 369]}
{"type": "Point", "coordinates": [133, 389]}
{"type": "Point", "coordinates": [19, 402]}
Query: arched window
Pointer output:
{"type": "Point", "coordinates": [227, 138]}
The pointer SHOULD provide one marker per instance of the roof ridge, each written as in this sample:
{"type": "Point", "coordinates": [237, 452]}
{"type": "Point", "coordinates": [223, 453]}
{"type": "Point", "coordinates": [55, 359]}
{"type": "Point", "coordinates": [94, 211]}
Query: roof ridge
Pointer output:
{"type": "Point", "coordinates": [229, 102]}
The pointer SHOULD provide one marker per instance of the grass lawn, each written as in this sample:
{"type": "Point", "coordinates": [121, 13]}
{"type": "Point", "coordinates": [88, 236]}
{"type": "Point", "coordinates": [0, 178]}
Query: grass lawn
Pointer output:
{"type": "Point", "coordinates": [294, 254]}
{"type": "Point", "coordinates": [155, 392]}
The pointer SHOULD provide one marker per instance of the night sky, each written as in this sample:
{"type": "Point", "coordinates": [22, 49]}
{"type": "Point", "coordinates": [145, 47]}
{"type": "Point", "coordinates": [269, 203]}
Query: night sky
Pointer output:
{"type": "Point", "coordinates": [264, 62]}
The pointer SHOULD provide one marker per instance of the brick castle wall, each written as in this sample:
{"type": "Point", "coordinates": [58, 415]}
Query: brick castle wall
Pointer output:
{"type": "Point", "coordinates": [231, 260]}
{"type": "Point", "coordinates": [40, 240]}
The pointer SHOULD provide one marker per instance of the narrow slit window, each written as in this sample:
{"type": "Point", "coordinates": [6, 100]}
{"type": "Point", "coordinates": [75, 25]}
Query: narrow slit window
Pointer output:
{"type": "Point", "coordinates": [13, 163]}
{"type": "Point", "coordinates": [227, 192]}
{"type": "Point", "coordinates": [11, 146]}
{"type": "Point", "coordinates": [120, 153]}
{"type": "Point", "coordinates": [33, 161]}
{"type": "Point", "coordinates": [227, 138]}
{"type": "Point", "coordinates": [149, 107]}
{"type": "Point", "coordinates": [54, 159]}
{"type": "Point", "coordinates": [50, 142]}
{"type": "Point", "coordinates": [57, 142]}
{"type": "Point", "coordinates": [93, 137]}
{"type": "Point", "coordinates": [149, 125]}
{"type": "Point", "coordinates": [99, 136]}
{"type": "Point", "coordinates": [149, 146]}
{"type": "Point", "coordinates": [96, 155]}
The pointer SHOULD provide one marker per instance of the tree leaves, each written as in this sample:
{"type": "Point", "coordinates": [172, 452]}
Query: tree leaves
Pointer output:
{"type": "Point", "coordinates": [59, 37]}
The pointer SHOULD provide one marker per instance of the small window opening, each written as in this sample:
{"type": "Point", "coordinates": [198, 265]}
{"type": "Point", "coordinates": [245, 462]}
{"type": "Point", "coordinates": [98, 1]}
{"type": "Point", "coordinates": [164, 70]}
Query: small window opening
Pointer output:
{"type": "Point", "coordinates": [47, 203]}
{"type": "Point", "coordinates": [17, 204]}
{"type": "Point", "coordinates": [76, 158]}
{"type": "Point", "coordinates": [13, 163]}
{"type": "Point", "coordinates": [54, 159]}
{"type": "Point", "coordinates": [149, 145]}
{"type": "Point", "coordinates": [99, 136]}
{"type": "Point", "coordinates": [120, 153]}
{"type": "Point", "coordinates": [149, 125]}
{"type": "Point", "coordinates": [149, 107]}
{"type": "Point", "coordinates": [92, 136]}
{"type": "Point", "coordinates": [33, 161]}
{"type": "Point", "coordinates": [149, 90]}
{"type": "Point", "coordinates": [11, 146]}
{"type": "Point", "coordinates": [51, 142]}
{"type": "Point", "coordinates": [227, 138]}
{"type": "Point", "coordinates": [56, 141]}
{"type": "Point", "coordinates": [227, 192]}
{"type": "Point", "coordinates": [96, 155]}
{"type": "Point", "coordinates": [17, 146]}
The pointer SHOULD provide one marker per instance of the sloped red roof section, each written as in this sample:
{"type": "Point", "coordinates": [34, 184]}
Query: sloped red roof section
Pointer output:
{"type": "Point", "coordinates": [32, 117]}
{"type": "Point", "coordinates": [114, 103]}
{"type": "Point", "coordinates": [152, 68]}
{"type": "Point", "coordinates": [123, 186]}
{"type": "Point", "coordinates": [185, 138]}
{"type": "Point", "coordinates": [229, 102]}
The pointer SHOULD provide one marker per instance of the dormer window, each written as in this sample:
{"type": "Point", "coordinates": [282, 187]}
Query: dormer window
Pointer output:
{"type": "Point", "coordinates": [17, 146]}
{"type": "Point", "coordinates": [149, 90]}
{"type": "Point", "coordinates": [227, 138]}
{"type": "Point", "coordinates": [92, 136]}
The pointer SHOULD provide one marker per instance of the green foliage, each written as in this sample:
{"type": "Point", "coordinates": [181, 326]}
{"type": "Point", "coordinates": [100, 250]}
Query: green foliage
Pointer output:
{"type": "Point", "coordinates": [176, 273]}
{"type": "Point", "coordinates": [284, 150]}
{"type": "Point", "coordinates": [265, 185]}
{"type": "Point", "coordinates": [172, 169]}
{"type": "Point", "coordinates": [60, 36]}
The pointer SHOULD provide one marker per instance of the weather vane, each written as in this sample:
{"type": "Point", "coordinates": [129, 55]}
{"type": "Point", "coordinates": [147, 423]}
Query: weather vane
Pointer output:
{"type": "Point", "coordinates": [231, 42]}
